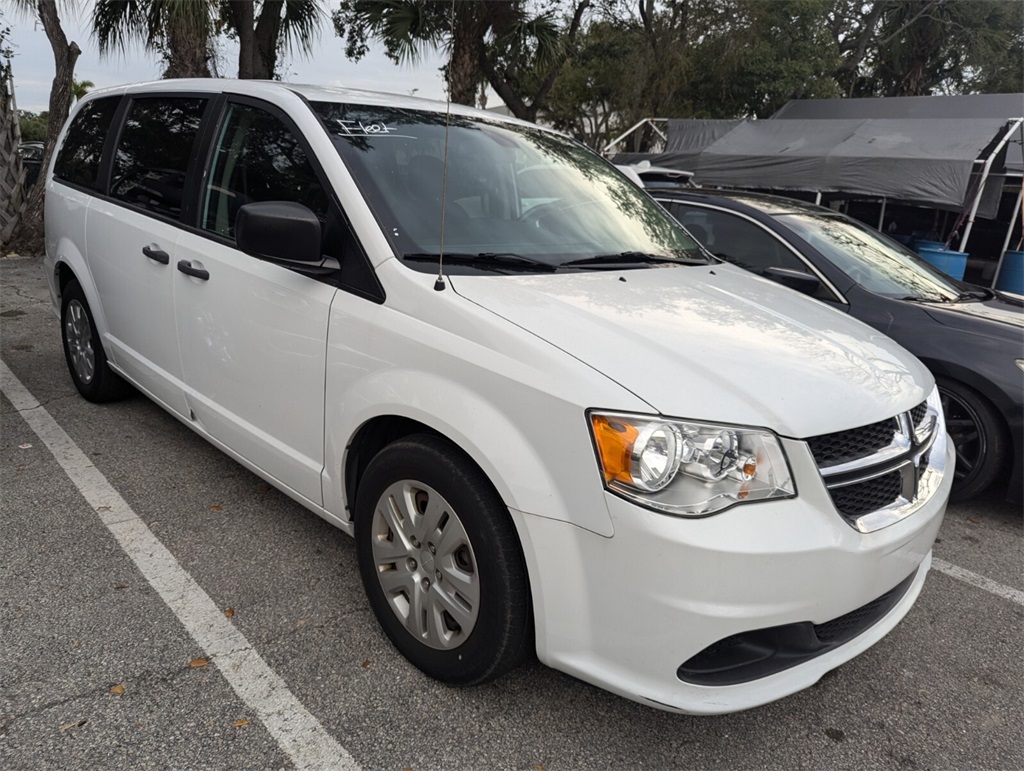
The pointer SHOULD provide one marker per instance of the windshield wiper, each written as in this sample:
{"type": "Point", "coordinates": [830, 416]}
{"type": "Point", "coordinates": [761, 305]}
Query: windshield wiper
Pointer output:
{"type": "Point", "coordinates": [493, 260]}
{"type": "Point", "coordinates": [976, 294]}
{"type": "Point", "coordinates": [632, 258]}
{"type": "Point", "coordinates": [911, 298]}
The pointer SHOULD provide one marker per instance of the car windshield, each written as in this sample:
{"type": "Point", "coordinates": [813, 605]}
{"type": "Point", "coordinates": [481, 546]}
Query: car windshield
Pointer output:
{"type": "Point", "coordinates": [877, 263]}
{"type": "Point", "coordinates": [517, 198]}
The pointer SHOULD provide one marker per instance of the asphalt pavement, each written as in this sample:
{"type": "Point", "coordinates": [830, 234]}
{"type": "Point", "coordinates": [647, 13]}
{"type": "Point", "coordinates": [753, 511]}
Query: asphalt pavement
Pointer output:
{"type": "Point", "coordinates": [236, 634]}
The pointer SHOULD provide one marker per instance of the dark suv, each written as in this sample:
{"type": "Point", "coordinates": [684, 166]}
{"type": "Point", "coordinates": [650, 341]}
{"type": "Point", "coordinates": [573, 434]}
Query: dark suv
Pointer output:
{"type": "Point", "coordinates": [970, 337]}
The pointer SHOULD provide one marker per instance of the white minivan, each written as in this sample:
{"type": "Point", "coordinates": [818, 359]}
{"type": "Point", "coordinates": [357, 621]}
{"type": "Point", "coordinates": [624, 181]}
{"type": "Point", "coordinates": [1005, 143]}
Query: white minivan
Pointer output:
{"type": "Point", "coordinates": [552, 422]}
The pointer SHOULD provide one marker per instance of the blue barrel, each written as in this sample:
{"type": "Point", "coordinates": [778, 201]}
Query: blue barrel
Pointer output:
{"type": "Point", "coordinates": [1011, 274]}
{"type": "Point", "coordinates": [949, 262]}
{"type": "Point", "coordinates": [920, 243]}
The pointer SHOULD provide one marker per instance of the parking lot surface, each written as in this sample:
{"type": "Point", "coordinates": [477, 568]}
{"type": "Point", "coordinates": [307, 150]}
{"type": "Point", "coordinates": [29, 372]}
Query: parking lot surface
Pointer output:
{"type": "Point", "coordinates": [162, 606]}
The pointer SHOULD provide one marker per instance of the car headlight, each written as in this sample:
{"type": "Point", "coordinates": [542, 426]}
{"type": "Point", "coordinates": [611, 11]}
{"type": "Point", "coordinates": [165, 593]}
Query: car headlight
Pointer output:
{"type": "Point", "coordinates": [687, 468]}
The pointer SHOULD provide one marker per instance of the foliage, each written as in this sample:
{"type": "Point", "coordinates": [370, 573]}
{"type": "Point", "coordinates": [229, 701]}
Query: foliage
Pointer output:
{"type": "Point", "coordinates": [80, 88]}
{"type": "Point", "coordinates": [183, 31]}
{"type": "Point", "coordinates": [34, 126]}
{"type": "Point", "coordinates": [514, 46]}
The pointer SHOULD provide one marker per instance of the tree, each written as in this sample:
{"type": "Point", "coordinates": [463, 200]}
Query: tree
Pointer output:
{"type": "Point", "coordinates": [498, 42]}
{"type": "Point", "coordinates": [922, 51]}
{"type": "Point", "coordinates": [28, 235]}
{"type": "Point", "coordinates": [260, 36]}
{"type": "Point", "coordinates": [34, 126]}
{"type": "Point", "coordinates": [894, 48]}
{"type": "Point", "coordinates": [179, 30]}
{"type": "Point", "coordinates": [753, 57]}
{"type": "Point", "coordinates": [183, 31]}
{"type": "Point", "coordinates": [80, 88]}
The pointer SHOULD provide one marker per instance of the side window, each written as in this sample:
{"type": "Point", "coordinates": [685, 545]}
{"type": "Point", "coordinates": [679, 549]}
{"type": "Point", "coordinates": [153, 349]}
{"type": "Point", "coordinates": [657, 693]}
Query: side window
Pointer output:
{"type": "Point", "coordinates": [152, 156]}
{"type": "Point", "coordinates": [79, 159]}
{"type": "Point", "coordinates": [257, 158]}
{"type": "Point", "coordinates": [737, 240]}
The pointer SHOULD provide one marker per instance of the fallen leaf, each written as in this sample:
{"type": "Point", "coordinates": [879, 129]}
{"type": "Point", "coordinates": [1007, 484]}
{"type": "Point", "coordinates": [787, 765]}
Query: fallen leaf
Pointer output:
{"type": "Point", "coordinates": [76, 724]}
{"type": "Point", "coordinates": [120, 586]}
{"type": "Point", "coordinates": [102, 508]}
{"type": "Point", "coordinates": [117, 689]}
{"type": "Point", "coordinates": [229, 612]}
{"type": "Point", "coordinates": [300, 622]}
{"type": "Point", "coordinates": [216, 508]}
{"type": "Point", "coordinates": [538, 767]}
{"type": "Point", "coordinates": [240, 723]}
{"type": "Point", "coordinates": [264, 490]}
{"type": "Point", "coordinates": [24, 447]}
{"type": "Point", "coordinates": [366, 663]}
{"type": "Point", "coordinates": [196, 663]}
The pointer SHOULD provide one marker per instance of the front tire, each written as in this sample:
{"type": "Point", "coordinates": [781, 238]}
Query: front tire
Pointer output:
{"type": "Point", "coordinates": [441, 563]}
{"type": "Point", "coordinates": [83, 351]}
{"type": "Point", "coordinates": [978, 435]}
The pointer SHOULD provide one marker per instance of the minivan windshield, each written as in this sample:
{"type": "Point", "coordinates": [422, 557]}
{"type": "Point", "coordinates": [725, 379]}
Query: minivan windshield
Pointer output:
{"type": "Point", "coordinates": [518, 199]}
{"type": "Point", "coordinates": [877, 263]}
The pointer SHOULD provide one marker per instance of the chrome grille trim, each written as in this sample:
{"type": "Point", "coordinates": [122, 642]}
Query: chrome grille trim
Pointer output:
{"type": "Point", "coordinates": [917, 453]}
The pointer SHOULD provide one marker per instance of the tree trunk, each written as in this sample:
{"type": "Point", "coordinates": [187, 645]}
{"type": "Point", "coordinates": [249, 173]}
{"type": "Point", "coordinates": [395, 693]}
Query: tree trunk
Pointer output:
{"type": "Point", "coordinates": [463, 80]}
{"type": "Point", "coordinates": [28, 234]}
{"type": "Point", "coordinates": [243, 21]}
{"type": "Point", "coordinates": [188, 56]}
{"type": "Point", "coordinates": [265, 37]}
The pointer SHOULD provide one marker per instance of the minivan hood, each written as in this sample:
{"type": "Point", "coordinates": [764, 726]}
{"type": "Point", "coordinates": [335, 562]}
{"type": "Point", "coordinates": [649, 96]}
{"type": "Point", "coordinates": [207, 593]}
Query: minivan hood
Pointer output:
{"type": "Point", "coordinates": [714, 343]}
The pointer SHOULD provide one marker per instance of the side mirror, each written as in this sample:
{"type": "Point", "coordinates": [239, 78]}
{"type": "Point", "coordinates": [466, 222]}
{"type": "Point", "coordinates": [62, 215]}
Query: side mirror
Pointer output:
{"type": "Point", "coordinates": [794, 279]}
{"type": "Point", "coordinates": [278, 231]}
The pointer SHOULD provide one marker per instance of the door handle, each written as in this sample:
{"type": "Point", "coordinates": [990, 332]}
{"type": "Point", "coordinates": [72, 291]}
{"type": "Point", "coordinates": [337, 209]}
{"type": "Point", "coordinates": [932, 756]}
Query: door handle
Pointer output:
{"type": "Point", "coordinates": [186, 267]}
{"type": "Point", "coordinates": [157, 255]}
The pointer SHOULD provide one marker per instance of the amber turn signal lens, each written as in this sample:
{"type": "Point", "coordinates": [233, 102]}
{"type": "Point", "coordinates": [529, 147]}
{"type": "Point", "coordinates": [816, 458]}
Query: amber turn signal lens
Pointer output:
{"type": "Point", "coordinates": [615, 441]}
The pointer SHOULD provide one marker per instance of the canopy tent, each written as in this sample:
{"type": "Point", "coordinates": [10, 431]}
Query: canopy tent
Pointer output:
{"type": "Point", "coordinates": [969, 106]}
{"type": "Point", "coordinates": [905, 159]}
{"type": "Point", "coordinates": [909, 159]}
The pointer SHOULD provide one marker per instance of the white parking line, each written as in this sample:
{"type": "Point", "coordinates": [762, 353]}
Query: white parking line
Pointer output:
{"type": "Point", "coordinates": [299, 734]}
{"type": "Point", "coordinates": [959, 573]}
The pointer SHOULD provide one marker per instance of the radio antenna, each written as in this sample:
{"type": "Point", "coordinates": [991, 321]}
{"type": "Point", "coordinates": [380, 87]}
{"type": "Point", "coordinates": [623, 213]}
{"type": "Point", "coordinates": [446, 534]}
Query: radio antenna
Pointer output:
{"type": "Point", "coordinates": [439, 282]}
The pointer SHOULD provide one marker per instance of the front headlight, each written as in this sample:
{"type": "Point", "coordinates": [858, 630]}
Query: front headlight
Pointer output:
{"type": "Point", "coordinates": [688, 468]}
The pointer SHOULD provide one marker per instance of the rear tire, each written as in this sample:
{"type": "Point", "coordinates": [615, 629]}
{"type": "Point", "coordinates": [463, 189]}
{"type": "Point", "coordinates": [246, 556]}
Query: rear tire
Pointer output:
{"type": "Point", "coordinates": [978, 435]}
{"type": "Point", "coordinates": [83, 351]}
{"type": "Point", "coordinates": [441, 562]}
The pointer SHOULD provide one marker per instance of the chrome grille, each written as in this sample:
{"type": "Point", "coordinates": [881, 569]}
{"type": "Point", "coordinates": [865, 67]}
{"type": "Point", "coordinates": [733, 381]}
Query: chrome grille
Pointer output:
{"type": "Point", "coordinates": [873, 472]}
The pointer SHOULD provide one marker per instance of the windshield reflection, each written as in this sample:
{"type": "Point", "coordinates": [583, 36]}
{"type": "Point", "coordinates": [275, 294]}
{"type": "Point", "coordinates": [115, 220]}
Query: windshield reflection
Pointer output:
{"type": "Point", "coordinates": [511, 190]}
{"type": "Point", "coordinates": [879, 265]}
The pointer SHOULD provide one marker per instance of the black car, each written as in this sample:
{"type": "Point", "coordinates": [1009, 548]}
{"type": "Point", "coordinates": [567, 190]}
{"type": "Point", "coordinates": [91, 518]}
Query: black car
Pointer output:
{"type": "Point", "coordinates": [970, 337]}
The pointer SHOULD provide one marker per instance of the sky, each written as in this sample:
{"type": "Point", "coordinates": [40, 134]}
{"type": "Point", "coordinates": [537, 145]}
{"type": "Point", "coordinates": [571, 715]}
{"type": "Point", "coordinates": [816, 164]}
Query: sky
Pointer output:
{"type": "Point", "coordinates": [33, 62]}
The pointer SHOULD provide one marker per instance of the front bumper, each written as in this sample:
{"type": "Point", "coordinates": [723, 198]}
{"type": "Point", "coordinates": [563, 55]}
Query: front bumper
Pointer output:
{"type": "Point", "coordinates": [625, 612]}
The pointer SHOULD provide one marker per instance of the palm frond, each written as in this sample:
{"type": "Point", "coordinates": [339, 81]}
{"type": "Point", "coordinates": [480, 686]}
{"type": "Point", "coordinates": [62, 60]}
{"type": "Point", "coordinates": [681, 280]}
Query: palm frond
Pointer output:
{"type": "Point", "coordinates": [116, 23]}
{"type": "Point", "coordinates": [300, 26]}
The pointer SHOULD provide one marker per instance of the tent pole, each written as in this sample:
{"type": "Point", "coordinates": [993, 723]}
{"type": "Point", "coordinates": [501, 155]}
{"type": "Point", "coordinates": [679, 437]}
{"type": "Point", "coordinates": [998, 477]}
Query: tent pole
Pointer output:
{"type": "Point", "coordinates": [1009, 233]}
{"type": "Point", "coordinates": [611, 145]}
{"type": "Point", "coordinates": [881, 217]}
{"type": "Point", "coordinates": [1018, 123]}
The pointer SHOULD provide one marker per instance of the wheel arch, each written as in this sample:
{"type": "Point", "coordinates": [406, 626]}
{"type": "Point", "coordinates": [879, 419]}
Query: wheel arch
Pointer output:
{"type": "Point", "coordinates": [505, 439]}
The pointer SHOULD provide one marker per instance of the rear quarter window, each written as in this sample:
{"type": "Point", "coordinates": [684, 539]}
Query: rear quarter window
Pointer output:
{"type": "Point", "coordinates": [78, 161]}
